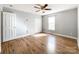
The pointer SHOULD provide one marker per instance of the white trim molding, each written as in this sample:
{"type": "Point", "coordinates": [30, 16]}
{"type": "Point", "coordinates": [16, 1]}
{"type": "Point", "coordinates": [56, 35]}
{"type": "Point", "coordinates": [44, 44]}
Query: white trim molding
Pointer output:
{"type": "Point", "coordinates": [21, 36]}
{"type": "Point", "coordinates": [16, 37]}
{"type": "Point", "coordinates": [65, 36]}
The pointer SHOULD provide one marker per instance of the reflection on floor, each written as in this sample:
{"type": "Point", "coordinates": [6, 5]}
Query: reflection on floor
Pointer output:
{"type": "Point", "coordinates": [51, 44]}
{"type": "Point", "coordinates": [40, 44]}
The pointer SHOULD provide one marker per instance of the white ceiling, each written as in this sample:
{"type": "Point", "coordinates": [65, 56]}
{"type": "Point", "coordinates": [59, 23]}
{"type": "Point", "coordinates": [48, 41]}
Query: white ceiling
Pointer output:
{"type": "Point", "coordinates": [30, 8]}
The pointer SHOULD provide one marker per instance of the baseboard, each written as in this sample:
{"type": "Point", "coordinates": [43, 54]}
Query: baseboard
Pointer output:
{"type": "Point", "coordinates": [15, 38]}
{"type": "Point", "coordinates": [19, 37]}
{"type": "Point", "coordinates": [65, 36]}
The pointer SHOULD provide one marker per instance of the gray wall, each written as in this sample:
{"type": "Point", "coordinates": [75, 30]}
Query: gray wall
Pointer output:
{"type": "Point", "coordinates": [66, 22]}
{"type": "Point", "coordinates": [0, 25]}
{"type": "Point", "coordinates": [25, 22]}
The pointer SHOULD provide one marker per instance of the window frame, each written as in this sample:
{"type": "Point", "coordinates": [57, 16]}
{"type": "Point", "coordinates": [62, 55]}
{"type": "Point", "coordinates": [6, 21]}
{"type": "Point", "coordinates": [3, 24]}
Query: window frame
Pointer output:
{"type": "Point", "coordinates": [50, 27]}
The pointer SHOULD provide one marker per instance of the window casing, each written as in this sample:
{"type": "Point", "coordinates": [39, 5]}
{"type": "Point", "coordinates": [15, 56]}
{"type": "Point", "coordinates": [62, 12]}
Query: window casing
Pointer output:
{"type": "Point", "coordinates": [51, 23]}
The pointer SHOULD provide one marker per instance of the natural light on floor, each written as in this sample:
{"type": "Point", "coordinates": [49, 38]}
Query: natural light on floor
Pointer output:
{"type": "Point", "coordinates": [38, 35]}
{"type": "Point", "coordinates": [51, 44]}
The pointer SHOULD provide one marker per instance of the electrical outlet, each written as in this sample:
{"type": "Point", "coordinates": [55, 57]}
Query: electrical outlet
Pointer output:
{"type": "Point", "coordinates": [71, 33]}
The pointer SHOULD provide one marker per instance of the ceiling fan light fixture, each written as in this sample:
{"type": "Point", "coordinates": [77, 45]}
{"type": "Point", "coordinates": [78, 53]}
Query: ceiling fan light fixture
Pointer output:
{"type": "Point", "coordinates": [10, 5]}
{"type": "Point", "coordinates": [42, 7]}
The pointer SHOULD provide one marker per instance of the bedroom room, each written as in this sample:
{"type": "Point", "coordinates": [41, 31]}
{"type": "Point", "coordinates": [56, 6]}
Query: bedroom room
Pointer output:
{"type": "Point", "coordinates": [39, 29]}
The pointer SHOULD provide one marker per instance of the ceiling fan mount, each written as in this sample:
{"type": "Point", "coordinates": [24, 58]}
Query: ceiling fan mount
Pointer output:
{"type": "Point", "coordinates": [41, 7]}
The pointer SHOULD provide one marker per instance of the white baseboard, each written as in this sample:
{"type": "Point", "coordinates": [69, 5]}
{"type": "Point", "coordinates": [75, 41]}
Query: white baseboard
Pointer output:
{"type": "Point", "coordinates": [19, 37]}
{"type": "Point", "coordinates": [65, 36]}
{"type": "Point", "coordinates": [15, 38]}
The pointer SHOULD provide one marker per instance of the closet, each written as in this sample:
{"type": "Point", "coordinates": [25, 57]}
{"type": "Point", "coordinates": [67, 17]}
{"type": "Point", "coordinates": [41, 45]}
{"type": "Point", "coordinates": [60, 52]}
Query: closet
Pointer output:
{"type": "Point", "coordinates": [9, 26]}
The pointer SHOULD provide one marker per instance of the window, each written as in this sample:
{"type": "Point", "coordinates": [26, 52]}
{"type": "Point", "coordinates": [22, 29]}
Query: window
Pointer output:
{"type": "Point", "coordinates": [51, 23]}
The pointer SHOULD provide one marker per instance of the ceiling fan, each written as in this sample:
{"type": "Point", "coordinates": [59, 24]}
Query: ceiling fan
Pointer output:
{"type": "Point", "coordinates": [42, 8]}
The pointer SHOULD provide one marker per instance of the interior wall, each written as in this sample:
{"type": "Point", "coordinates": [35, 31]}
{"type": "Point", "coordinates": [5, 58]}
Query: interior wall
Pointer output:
{"type": "Point", "coordinates": [78, 27]}
{"type": "Point", "coordinates": [66, 22]}
{"type": "Point", "coordinates": [0, 26]}
{"type": "Point", "coordinates": [26, 23]}
{"type": "Point", "coordinates": [0, 31]}
{"type": "Point", "coordinates": [0, 22]}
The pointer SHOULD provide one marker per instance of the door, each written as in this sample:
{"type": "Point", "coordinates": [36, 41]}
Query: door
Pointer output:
{"type": "Point", "coordinates": [9, 26]}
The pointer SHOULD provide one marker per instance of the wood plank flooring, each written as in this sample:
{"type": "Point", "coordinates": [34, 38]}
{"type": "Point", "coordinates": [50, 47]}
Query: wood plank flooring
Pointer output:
{"type": "Point", "coordinates": [40, 44]}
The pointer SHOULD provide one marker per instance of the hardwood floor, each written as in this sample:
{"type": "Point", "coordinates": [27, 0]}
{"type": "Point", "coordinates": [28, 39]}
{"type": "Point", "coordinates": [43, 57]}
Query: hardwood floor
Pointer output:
{"type": "Point", "coordinates": [40, 44]}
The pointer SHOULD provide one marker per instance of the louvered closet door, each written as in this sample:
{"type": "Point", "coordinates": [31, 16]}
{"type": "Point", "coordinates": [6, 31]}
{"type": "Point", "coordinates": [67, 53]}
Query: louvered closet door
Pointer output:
{"type": "Point", "coordinates": [9, 28]}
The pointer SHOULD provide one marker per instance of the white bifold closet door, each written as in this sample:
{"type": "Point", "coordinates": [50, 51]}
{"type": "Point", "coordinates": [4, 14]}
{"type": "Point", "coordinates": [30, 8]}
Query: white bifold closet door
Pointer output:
{"type": "Point", "coordinates": [9, 26]}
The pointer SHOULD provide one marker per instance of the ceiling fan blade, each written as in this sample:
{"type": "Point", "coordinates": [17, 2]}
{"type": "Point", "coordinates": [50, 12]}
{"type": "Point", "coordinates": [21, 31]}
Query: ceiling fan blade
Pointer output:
{"type": "Point", "coordinates": [48, 9]}
{"type": "Point", "coordinates": [45, 5]}
{"type": "Point", "coordinates": [36, 7]}
{"type": "Point", "coordinates": [39, 5]}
